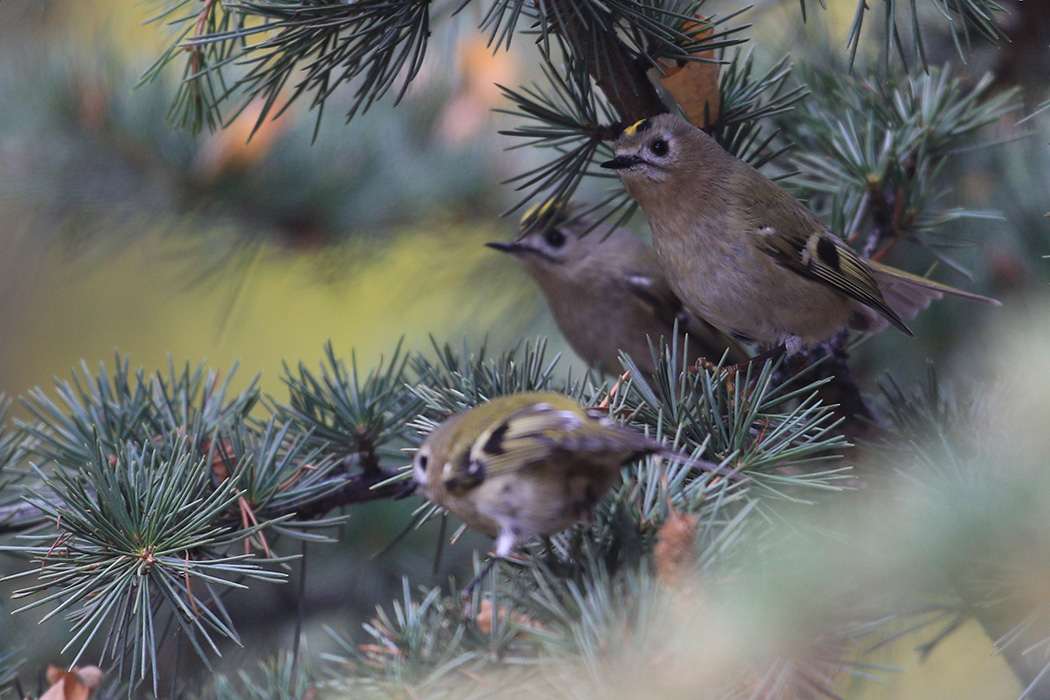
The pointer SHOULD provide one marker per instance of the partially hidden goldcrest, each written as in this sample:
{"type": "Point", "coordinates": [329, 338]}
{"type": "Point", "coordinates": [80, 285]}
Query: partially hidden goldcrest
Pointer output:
{"type": "Point", "coordinates": [607, 293]}
{"type": "Point", "coordinates": [528, 464]}
{"type": "Point", "coordinates": [744, 254]}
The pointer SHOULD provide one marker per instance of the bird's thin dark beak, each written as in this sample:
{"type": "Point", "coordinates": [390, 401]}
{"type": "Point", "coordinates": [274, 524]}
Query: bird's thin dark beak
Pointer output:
{"type": "Point", "coordinates": [621, 162]}
{"type": "Point", "coordinates": [512, 248]}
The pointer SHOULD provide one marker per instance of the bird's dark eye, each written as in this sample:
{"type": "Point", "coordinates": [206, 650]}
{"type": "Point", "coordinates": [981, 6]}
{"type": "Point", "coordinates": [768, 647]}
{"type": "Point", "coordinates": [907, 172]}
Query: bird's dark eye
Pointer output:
{"type": "Point", "coordinates": [658, 147]}
{"type": "Point", "coordinates": [554, 238]}
{"type": "Point", "coordinates": [422, 461]}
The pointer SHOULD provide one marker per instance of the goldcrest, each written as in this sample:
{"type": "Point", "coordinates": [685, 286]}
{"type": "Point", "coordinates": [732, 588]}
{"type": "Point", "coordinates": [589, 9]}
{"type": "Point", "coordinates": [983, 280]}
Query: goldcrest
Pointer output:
{"type": "Point", "coordinates": [747, 256]}
{"type": "Point", "coordinates": [606, 292]}
{"type": "Point", "coordinates": [528, 464]}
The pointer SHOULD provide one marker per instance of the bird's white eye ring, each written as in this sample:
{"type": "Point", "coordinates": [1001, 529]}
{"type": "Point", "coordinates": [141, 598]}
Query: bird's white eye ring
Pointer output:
{"type": "Point", "coordinates": [421, 460]}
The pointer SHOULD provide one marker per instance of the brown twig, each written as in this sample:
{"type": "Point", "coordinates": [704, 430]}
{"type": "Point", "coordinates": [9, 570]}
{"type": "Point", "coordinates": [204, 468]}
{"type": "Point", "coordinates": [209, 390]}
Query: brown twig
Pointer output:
{"type": "Point", "coordinates": [350, 489]}
{"type": "Point", "coordinates": [620, 74]}
{"type": "Point", "coordinates": [198, 30]}
{"type": "Point", "coordinates": [829, 361]}
{"type": "Point", "coordinates": [615, 388]}
{"type": "Point", "coordinates": [885, 214]}
{"type": "Point", "coordinates": [189, 587]}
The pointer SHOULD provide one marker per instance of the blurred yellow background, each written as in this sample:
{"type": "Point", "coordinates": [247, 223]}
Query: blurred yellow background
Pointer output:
{"type": "Point", "coordinates": [177, 281]}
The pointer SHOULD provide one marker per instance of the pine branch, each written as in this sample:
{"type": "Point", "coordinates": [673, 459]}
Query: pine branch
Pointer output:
{"type": "Point", "coordinates": [1012, 631]}
{"type": "Point", "coordinates": [616, 70]}
{"type": "Point", "coordinates": [873, 150]}
{"type": "Point", "coordinates": [754, 423]}
{"type": "Point", "coordinates": [9, 663]}
{"type": "Point", "coordinates": [197, 102]}
{"type": "Point", "coordinates": [456, 381]}
{"type": "Point", "coordinates": [963, 18]}
{"type": "Point", "coordinates": [137, 534]}
{"type": "Point", "coordinates": [747, 101]}
{"type": "Point", "coordinates": [829, 361]}
{"type": "Point", "coordinates": [349, 417]}
{"type": "Point", "coordinates": [421, 643]}
{"type": "Point", "coordinates": [20, 517]}
{"type": "Point", "coordinates": [13, 446]}
{"type": "Point", "coordinates": [278, 678]}
{"type": "Point", "coordinates": [991, 575]}
{"type": "Point", "coordinates": [154, 412]}
{"type": "Point", "coordinates": [346, 490]}
{"type": "Point", "coordinates": [322, 45]}
{"type": "Point", "coordinates": [573, 121]}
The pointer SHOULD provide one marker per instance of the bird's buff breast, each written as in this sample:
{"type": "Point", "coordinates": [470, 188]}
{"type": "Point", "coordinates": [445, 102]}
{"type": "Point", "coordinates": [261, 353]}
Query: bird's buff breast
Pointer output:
{"type": "Point", "coordinates": [541, 500]}
{"type": "Point", "coordinates": [742, 290]}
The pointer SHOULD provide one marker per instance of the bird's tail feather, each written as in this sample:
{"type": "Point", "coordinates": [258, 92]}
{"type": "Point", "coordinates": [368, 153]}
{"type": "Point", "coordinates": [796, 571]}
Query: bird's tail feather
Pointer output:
{"type": "Point", "coordinates": [908, 294]}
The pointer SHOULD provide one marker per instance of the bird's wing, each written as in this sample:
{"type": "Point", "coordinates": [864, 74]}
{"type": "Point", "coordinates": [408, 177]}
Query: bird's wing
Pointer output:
{"type": "Point", "coordinates": [823, 257]}
{"type": "Point", "coordinates": [653, 291]}
{"type": "Point", "coordinates": [541, 431]}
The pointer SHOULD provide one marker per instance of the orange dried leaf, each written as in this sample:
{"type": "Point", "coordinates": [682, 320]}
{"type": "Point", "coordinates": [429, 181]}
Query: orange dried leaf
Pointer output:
{"type": "Point", "coordinates": [484, 618]}
{"type": "Point", "coordinates": [236, 148]}
{"type": "Point", "coordinates": [77, 684]}
{"type": "Point", "coordinates": [379, 649]}
{"type": "Point", "coordinates": [55, 674]}
{"type": "Point", "coordinates": [218, 463]}
{"type": "Point", "coordinates": [481, 72]}
{"type": "Point", "coordinates": [612, 392]}
{"type": "Point", "coordinates": [674, 547]}
{"type": "Point", "coordinates": [694, 84]}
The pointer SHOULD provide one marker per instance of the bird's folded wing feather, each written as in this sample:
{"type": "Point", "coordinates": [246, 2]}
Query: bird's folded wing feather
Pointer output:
{"type": "Point", "coordinates": [824, 258]}
{"type": "Point", "coordinates": [537, 432]}
{"type": "Point", "coordinates": [656, 294]}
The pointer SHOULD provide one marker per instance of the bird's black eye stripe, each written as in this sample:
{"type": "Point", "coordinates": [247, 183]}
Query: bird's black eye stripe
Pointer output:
{"type": "Point", "coordinates": [658, 147]}
{"type": "Point", "coordinates": [555, 238]}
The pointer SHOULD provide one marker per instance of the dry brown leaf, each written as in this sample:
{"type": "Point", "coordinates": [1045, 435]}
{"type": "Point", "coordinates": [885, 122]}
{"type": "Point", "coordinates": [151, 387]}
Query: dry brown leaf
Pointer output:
{"type": "Point", "coordinates": [694, 84]}
{"type": "Point", "coordinates": [484, 618]}
{"type": "Point", "coordinates": [481, 72]}
{"type": "Point", "coordinates": [235, 148]}
{"type": "Point", "coordinates": [76, 684]}
{"type": "Point", "coordinates": [218, 463]}
{"type": "Point", "coordinates": [673, 553]}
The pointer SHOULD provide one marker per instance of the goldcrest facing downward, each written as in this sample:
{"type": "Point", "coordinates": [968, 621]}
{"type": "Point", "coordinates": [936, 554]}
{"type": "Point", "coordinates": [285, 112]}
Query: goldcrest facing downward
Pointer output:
{"type": "Point", "coordinates": [525, 464]}
{"type": "Point", "coordinates": [607, 293]}
{"type": "Point", "coordinates": [747, 256]}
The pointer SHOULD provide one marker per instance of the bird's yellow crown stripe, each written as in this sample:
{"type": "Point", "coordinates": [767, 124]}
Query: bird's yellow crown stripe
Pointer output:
{"type": "Point", "coordinates": [629, 131]}
{"type": "Point", "coordinates": [543, 209]}
{"type": "Point", "coordinates": [538, 209]}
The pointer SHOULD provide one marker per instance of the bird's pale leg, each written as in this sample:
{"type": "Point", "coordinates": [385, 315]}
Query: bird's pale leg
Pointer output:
{"type": "Point", "coordinates": [469, 588]}
{"type": "Point", "coordinates": [505, 544]}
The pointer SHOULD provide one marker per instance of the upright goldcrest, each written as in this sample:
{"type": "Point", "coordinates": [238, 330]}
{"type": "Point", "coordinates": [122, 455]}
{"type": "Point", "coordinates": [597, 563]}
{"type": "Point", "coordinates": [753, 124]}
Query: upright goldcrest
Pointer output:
{"type": "Point", "coordinates": [528, 464]}
{"type": "Point", "coordinates": [747, 256]}
{"type": "Point", "coordinates": [606, 292]}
